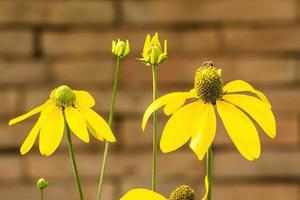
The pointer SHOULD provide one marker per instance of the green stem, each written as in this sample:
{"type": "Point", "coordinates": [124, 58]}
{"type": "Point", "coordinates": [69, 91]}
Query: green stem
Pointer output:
{"type": "Point", "coordinates": [154, 133]}
{"type": "Point", "coordinates": [110, 120]}
{"type": "Point", "coordinates": [42, 194]}
{"type": "Point", "coordinates": [72, 156]}
{"type": "Point", "coordinates": [209, 155]}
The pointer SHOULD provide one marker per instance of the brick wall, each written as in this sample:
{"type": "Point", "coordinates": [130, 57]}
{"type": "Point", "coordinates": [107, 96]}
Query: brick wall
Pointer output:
{"type": "Point", "coordinates": [45, 43]}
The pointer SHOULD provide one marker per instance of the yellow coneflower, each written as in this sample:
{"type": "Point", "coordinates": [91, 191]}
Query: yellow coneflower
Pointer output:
{"type": "Point", "coordinates": [197, 120]}
{"type": "Point", "coordinates": [183, 192]}
{"type": "Point", "coordinates": [75, 106]}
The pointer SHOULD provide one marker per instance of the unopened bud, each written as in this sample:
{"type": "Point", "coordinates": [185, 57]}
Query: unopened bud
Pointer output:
{"type": "Point", "coordinates": [120, 48]}
{"type": "Point", "coordinates": [42, 183]}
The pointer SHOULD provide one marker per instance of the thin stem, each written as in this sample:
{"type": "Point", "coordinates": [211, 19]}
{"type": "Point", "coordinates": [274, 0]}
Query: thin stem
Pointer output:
{"type": "Point", "coordinates": [72, 156]}
{"type": "Point", "coordinates": [110, 120]}
{"type": "Point", "coordinates": [209, 155]}
{"type": "Point", "coordinates": [154, 133]}
{"type": "Point", "coordinates": [42, 194]}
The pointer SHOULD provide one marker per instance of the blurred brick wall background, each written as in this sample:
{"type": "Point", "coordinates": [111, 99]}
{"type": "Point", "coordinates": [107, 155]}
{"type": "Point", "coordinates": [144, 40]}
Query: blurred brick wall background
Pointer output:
{"type": "Point", "coordinates": [45, 43]}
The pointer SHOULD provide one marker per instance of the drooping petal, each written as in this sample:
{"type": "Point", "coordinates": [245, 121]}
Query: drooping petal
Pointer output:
{"type": "Point", "coordinates": [94, 132]}
{"type": "Point", "coordinates": [240, 129]}
{"type": "Point", "coordinates": [27, 115]}
{"type": "Point", "coordinates": [258, 110]}
{"type": "Point", "coordinates": [51, 132]}
{"type": "Point", "coordinates": [142, 194]}
{"type": "Point", "coordinates": [178, 102]}
{"type": "Point", "coordinates": [84, 98]}
{"type": "Point", "coordinates": [206, 188]}
{"type": "Point", "coordinates": [98, 124]}
{"type": "Point", "coordinates": [180, 127]}
{"type": "Point", "coordinates": [242, 86]}
{"type": "Point", "coordinates": [206, 131]}
{"type": "Point", "coordinates": [173, 101]}
{"type": "Point", "coordinates": [77, 123]}
{"type": "Point", "coordinates": [30, 139]}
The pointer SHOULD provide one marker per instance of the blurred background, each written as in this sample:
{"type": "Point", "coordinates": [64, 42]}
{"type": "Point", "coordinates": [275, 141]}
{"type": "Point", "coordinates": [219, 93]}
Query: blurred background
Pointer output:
{"type": "Point", "coordinates": [46, 43]}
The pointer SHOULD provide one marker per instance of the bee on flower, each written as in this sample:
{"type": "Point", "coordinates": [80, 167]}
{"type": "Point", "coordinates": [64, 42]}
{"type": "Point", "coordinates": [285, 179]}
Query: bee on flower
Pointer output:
{"type": "Point", "coordinates": [236, 102]}
{"type": "Point", "coordinates": [64, 105]}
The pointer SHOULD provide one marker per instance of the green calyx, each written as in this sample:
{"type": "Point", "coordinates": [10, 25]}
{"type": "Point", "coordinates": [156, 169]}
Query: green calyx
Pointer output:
{"type": "Point", "coordinates": [208, 83]}
{"type": "Point", "coordinates": [183, 192]}
{"type": "Point", "coordinates": [42, 183]}
{"type": "Point", "coordinates": [63, 96]}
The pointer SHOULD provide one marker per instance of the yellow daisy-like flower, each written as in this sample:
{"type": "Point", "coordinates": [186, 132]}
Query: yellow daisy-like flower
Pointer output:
{"type": "Point", "coordinates": [197, 120]}
{"type": "Point", "coordinates": [64, 105]}
{"type": "Point", "coordinates": [183, 192]}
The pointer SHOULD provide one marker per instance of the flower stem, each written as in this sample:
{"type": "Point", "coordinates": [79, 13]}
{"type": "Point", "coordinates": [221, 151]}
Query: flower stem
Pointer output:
{"type": "Point", "coordinates": [42, 194]}
{"type": "Point", "coordinates": [110, 120]}
{"type": "Point", "coordinates": [209, 155]}
{"type": "Point", "coordinates": [72, 156]}
{"type": "Point", "coordinates": [154, 133]}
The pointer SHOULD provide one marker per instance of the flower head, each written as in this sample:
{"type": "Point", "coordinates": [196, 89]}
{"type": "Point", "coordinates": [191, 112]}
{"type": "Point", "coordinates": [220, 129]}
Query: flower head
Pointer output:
{"type": "Point", "coordinates": [196, 121]}
{"type": "Point", "coordinates": [183, 192]}
{"type": "Point", "coordinates": [64, 105]}
{"type": "Point", "coordinates": [120, 48]}
{"type": "Point", "coordinates": [153, 54]}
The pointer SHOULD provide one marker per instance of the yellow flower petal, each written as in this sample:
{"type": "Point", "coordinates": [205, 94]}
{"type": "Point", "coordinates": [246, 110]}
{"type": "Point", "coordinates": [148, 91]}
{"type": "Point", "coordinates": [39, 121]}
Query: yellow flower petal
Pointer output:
{"type": "Point", "coordinates": [178, 102]}
{"type": "Point", "coordinates": [146, 46]}
{"type": "Point", "coordinates": [94, 132]}
{"type": "Point", "coordinates": [30, 139]}
{"type": "Point", "coordinates": [51, 132]}
{"type": "Point", "coordinates": [155, 40]}
{"type": "Point", "coordinates": [206, 189]}
{"type": "Point", "coordinates": [77, 123]}
{"type": "Point", "coordinates": [84, 98]}
{"type": "Point", "coordinates": [205, 135]}
{"type": "Point", "coordinates": [98, 124]}
{"type": "Point", "coordinates": [258, 110]}
{"type": "Point", "coordinates": [240, 129]}
{"type": "Point", "coordinates": [180, 127]}
{"type": "Point", "coordinates": [142, 194]}
{"type": "Point", "coordinates": [173, 101]}
{"type": "Point", "coordinates": [27, 115]}
{"type": "Point", "coordinates": [242, 86]}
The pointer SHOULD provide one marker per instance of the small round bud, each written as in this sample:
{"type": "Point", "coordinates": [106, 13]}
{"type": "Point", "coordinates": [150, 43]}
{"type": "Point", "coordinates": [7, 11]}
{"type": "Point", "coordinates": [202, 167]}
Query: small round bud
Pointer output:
{"type": "Point", "coordinates": [183, 192]}
{"type": "Point", "coordinates": [42, 183]}
{"type": "Point", "coordinates": [63, 96]}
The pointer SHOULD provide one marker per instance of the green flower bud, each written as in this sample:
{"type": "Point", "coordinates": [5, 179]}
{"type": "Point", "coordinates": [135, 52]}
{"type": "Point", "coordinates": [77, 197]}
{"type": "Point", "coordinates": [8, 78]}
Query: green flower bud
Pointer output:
{"type": "Point", "coordinates": [120, 48]}
{"type": "Point", "coordinates": [153, 54]}
{"type": "Point", "coordinates": [42, 183]}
